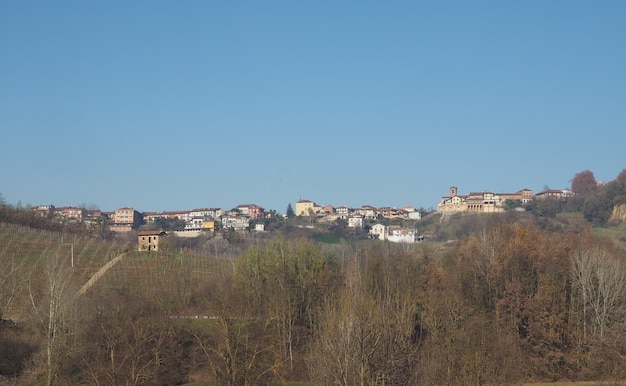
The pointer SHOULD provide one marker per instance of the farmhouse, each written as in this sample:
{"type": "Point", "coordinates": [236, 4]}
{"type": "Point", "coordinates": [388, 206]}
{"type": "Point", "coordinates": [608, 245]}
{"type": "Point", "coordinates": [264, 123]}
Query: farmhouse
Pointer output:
{"type": "Point", "coordinates": [149, 240]}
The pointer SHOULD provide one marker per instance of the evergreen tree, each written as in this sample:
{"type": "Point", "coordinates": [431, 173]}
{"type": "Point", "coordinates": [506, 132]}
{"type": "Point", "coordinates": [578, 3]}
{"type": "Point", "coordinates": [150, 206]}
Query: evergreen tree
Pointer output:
{"type": "Point", "coordinates": [290, 212]}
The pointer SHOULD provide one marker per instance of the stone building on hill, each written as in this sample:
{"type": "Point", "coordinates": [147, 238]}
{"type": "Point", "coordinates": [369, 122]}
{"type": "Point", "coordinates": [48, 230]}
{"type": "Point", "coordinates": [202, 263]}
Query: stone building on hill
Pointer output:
{"type": "Point", "coordinates": [149, 240]}
{"type": "Point", "coordinates": [480, 202]}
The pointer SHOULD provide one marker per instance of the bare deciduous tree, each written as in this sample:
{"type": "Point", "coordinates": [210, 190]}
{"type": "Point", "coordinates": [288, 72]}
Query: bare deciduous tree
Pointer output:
{"type": "Point", "coordinates": [599, 284]}
{"type": "Point", "coordinates": [362, 340]}
{"type": "Point", "coordinates": [11, 281]}
{"type": "Point", "coordinates": [53, 304]}
{"type": "Point", "coordinates": [238, 342]}
{"type": "Point", "coordinates": [129, 340]}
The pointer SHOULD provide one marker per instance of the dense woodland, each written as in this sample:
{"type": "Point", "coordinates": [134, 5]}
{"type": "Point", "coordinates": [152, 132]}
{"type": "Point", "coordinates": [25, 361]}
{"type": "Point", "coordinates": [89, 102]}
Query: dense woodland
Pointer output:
{"type": "Point", "coordinates": [507, 298]}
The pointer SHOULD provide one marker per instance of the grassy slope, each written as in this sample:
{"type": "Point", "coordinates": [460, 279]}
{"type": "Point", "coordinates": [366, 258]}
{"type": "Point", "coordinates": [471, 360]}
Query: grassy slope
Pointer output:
{"type": "Point", "coordinates": [152, 272]}
{"type": "Point", "coordinates": [24, 254]}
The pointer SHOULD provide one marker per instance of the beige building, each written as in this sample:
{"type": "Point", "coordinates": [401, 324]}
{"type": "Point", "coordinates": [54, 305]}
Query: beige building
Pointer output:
{"type": "Point", "coordinates": [149, 240]}
{"type": "Point", "coordinates": [524, 195]}
{"type": "Point", "coordinates": [481, 202]}
{"type": "Point", "coordinates": [125, 220]}
{"type": "Point", "coordinates": [305, 208]}
{"type": "Point", "coordinates": [379, 231]}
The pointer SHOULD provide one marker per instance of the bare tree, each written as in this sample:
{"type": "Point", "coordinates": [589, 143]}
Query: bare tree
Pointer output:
{"type": "Point", "coordinates": [238, 342]}
{"type": "Point", "coordinates": [52, 304]}
{"type": "Point", "coordinates": [362, 340]}
{"type": "Point", "coordinates": [128, 339]}
{"type": "Point", "coordinates": [11, 281]}
{"type": "Point", "coordinates": [599, 284]}
{"type": "Point", "coordinates": [289, 279]}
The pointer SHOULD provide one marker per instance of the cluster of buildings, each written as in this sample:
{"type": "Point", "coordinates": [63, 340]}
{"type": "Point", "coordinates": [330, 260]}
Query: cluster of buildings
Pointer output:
{"type": "Point", "coordinates": [357, 217]}
{"type": "Point", "coordinates": [210, 219]}
{"type": "Point", "coordinates": [70, 214]}
{"type": "Point", "coordinates": [354, 216]}
{"type": "Point", "coordinates": [196, 221]}
{"type": "Point", "coordinates": [242, 216]}
{"type": "Point", "coordinates": [128, 219]}
{"type": "Point", "coordinates": [489, 202]}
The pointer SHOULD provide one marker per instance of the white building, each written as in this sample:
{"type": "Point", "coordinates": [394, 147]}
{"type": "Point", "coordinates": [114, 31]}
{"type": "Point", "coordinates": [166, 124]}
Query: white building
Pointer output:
{"type": "Point", "coordinates": [194, 223]}
{"type": "Point", "coordinates": [367, 211]}
{"type": "Point", "coordinates": [394, 234]}
{"type": "Point", "coordinates": [401, 235]}
{"type": "Point", "coordinates": [379, 231]}
{"type": "Point", "coordinates": [235, 222]}
{"type": "Point", "coordinates": [355, 221]}
{"type": "Point", "coordinates": [413, 213]}
{"type": "Point", "coordinates": [343, 211]}
{"type": "Point", "coordinates": [207, 212]}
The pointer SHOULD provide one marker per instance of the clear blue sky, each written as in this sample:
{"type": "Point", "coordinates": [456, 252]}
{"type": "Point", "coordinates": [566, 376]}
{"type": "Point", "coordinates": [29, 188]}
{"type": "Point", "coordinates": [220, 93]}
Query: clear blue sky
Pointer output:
{"type": "Point", "coordinates": [184, 104]}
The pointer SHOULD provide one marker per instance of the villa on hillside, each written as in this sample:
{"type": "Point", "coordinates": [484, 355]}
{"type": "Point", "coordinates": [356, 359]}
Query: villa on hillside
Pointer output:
{"type": "Point", "coordinates": [480, 202]}
{"type": "Point", "coordinates": [307, 208]}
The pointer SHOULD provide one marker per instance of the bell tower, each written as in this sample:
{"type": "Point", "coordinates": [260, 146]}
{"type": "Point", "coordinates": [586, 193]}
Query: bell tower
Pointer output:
{"type": "Point", "coordinates": [452, 191]}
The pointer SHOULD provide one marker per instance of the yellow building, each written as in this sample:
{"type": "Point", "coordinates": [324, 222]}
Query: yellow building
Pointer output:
{"type": "Point", "coordinates": [208, 225]}
{"type": "Point", "coordinates": [305, 208]}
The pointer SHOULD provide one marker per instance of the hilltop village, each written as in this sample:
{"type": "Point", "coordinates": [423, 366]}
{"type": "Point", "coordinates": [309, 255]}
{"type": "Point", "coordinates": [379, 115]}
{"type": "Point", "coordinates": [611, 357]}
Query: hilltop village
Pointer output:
{"type": "Point", "coordinates": [511, 288]}
{"type": "Point", "coordinates": [253, 217]}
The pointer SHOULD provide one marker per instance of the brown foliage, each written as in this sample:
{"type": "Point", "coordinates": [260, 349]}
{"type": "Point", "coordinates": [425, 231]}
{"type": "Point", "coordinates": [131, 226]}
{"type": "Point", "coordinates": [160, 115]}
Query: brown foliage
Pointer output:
{"type": "Point", "coordinates": [622, 177]}
{"type": "Point", "coordinates": [462, 344]}
{"type": "Point", "coordinates": [508, 303]}
{"type": "Point", "coordinates": [583, 182]}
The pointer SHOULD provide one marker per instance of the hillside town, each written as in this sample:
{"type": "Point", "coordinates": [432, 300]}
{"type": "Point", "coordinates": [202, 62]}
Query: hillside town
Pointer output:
{"type": "Point", "coordinates": [519, 272]}
{"type": "Point", "coordinates": [253, 217]}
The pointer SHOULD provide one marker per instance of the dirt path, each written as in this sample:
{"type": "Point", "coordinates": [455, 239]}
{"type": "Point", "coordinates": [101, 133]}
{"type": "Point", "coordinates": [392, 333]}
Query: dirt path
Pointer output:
{"type": "Point", "coordinates": [92, 280]}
